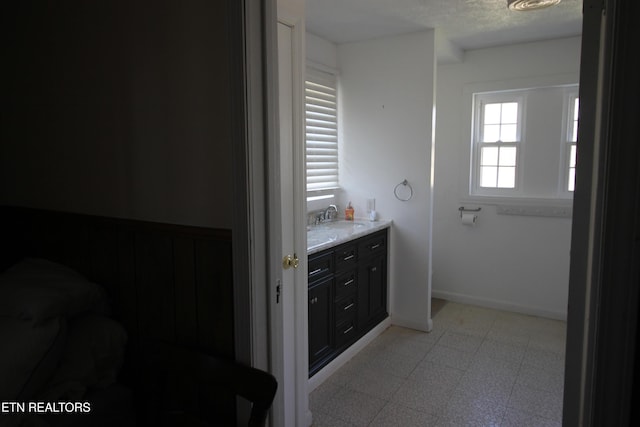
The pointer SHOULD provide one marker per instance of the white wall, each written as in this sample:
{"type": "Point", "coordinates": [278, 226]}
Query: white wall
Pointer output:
{"type": "Point", "coordinates": [387, 90]}
{"type": "Point", "coordinates": [518, 263]}
{"type": "Point", "coordinates": [321, 52]}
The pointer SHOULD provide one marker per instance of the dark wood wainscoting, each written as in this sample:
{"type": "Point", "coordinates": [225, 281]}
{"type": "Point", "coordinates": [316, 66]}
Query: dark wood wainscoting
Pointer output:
{"type": "Point", "coordinates": [166, 282]}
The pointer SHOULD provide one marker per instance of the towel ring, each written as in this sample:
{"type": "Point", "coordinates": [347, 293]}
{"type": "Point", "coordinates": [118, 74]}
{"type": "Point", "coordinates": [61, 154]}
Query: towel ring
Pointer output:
{"type": "Point", "coordinates": [404, 183]}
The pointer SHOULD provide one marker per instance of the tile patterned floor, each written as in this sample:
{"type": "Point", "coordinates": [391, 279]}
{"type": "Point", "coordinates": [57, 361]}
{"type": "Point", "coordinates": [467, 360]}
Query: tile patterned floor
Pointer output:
{"type": "Point", "coordinates": [478, 367]}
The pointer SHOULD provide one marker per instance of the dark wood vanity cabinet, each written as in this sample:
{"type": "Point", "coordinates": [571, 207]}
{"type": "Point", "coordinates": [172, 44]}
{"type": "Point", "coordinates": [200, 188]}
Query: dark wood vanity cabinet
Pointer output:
{"type": "Point", "coordinates": [320, 327]}
{"type": "Point", "coordinates": [347, 295]}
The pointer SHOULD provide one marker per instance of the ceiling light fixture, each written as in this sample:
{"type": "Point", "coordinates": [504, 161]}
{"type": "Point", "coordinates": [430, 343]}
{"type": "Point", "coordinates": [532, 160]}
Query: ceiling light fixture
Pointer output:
{"type": "Point", "coordinates": [523, 5]}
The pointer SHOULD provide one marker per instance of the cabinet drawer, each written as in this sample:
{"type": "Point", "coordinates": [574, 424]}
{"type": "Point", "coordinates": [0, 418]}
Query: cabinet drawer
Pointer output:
{"type": "Point", "coordinates": [346, 284]}
{"type": "Point", "coordinates": [373, 245]}
{"type": "Point", "coordinates": [346, 256]}
{"type": "Point", "coordinates": [320, 265]}
{"type": "Point", "coordinates": [346, 308]}
{"type": "Point", "coordinates": [346, 332]}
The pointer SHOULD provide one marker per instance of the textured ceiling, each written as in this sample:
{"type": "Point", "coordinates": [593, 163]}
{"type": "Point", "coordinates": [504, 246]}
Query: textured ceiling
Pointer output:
{"type": "Point", "coordinates": [468, 24]}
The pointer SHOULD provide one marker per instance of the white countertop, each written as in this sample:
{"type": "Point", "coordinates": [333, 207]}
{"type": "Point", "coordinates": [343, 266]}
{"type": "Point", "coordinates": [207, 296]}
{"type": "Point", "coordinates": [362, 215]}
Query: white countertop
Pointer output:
{"type": "Point", "coordinates": [330, 234]}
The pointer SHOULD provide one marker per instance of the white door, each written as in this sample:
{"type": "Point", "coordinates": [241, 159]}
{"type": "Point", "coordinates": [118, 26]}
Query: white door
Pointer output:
{"type": "Point", "coordinates": [288, 308]}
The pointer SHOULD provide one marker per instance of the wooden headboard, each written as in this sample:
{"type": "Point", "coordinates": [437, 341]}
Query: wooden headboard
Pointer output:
{"type": "Point", "coordinates": [168, 282]}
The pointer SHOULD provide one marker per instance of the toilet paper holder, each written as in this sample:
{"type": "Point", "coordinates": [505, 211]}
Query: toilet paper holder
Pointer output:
{"type": "Point", "coordinates": [462, 210]}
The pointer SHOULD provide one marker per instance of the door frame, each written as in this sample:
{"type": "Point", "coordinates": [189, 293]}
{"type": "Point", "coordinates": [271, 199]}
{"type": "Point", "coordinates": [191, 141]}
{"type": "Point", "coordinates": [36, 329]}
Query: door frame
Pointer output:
{"type": "Point", "coordinates": [601, 368]}
{"type": "Point", "coordinates": [297, 415]}
{"type": "Point", "coordinates": [256, 235]}
{"type": "Point", "coordinates": [300, 309]}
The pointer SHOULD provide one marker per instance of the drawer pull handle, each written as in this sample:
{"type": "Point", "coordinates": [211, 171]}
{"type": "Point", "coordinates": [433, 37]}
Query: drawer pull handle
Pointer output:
{"type": "Point", "coordinates": [376, 246]}
{"type": "Point", "coordinates": [348, 282]}
{"type": "Point", "coordinates": [349, 329]}
{"type": "Point", "coordinates": [316, 271]}
{"type": "Point", "coordinates": [374, 269]}
{"type": "Point", "coordinates": [348, 306]}
{"type": "Point", "coordinates": [347, 258]}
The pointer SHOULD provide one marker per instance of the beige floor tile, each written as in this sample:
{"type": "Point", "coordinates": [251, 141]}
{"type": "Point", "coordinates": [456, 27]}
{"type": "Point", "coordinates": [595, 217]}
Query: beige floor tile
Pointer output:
{"type": "Point", "coordinates": [541, 379]}
{"type": "Point", "coordinates": [536, 402]}
{"type": "Point", "coordinates": [324, 419]}
{"type": "Point", "coordinates": [478, 367]}
{"type": "Point", "coordinates": [398, 365]}
{"type": "Point", "coordinates": [460, 341]}
{"type": "Point", "coordinates": [375, 383]}
{"type": "Point", "coordinates": [319, 397]}
{"type": "Point", "coordinates": [354, 407]}
{"type": "Point", "coordinates": [449, 357]}
{"type": "Point", "coordinates": [514, 418]}
{"type": "Point", "coordinates": [431, 374]}
{"type": "Point", "coordinates": [499, 350]}
{"type": "Point", "coordinates": [396, 415]}
{"type": "Point", "coordinates": [414, 395]}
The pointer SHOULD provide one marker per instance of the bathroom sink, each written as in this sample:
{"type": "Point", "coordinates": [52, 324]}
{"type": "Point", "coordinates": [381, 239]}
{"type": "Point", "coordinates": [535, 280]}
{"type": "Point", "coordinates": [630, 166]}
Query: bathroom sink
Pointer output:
{"type": "Point", "coordinates": [339, 225]}
{"type": "Point", "coordinates": [313, 241]}
{"type": "Point", "coordinates": [329, 232]}
{"type": "Point", "coordinates": [333, 233]}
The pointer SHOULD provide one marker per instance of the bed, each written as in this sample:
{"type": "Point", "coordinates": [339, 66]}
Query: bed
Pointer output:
{"type": "Point", "coordinates": [80, 295]}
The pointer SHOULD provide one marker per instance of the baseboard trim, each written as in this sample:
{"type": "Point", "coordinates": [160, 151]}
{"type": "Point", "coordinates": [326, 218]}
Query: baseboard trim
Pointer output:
{"type": "Point", "coordinates": [498, 305]}
{"type": "Point", "coordinates": [412, 324]}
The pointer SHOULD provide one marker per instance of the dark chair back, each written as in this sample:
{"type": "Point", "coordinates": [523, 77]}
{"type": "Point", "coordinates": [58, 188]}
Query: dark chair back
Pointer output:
{"type": "Point", "coordinates": [162, 365]}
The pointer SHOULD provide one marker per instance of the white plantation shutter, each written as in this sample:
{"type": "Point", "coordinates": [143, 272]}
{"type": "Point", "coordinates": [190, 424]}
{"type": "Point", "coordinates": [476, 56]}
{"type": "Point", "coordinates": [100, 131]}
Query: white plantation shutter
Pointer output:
{"type": "Point", "coordinates": [321, 106]}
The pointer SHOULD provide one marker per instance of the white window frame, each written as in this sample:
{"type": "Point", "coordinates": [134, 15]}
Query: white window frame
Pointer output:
{"type": "Point", "coordinates": [569, 128]}
{"type": "Point", "coordinates": [321, 141]}
{"type": "Point", "coordinates": [479, 100]}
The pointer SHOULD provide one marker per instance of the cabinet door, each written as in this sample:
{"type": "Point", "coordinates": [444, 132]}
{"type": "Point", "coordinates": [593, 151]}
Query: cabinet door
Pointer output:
{"type": "Point", "coordinates": [320, 321]}
{"type": "Point", "coordinates": [372, 290]}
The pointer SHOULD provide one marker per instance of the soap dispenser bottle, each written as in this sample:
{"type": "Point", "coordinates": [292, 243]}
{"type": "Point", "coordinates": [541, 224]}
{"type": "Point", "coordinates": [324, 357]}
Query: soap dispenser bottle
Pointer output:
{"type": "Point", "coordinates": [349, 212]}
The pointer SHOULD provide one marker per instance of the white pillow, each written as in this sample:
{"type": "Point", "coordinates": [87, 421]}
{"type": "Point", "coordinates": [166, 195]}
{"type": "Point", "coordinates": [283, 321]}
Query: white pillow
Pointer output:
{"type": "Point", "coordinates": [29, 356]}
{"type": "Point", "coordinates": [92, 358]}
{"type": "Point", "coordinates": [36, 289]}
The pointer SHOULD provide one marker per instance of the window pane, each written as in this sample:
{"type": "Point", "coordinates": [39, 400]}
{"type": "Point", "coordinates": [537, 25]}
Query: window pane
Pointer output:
{"type": "Point", "coordinates": [572, 156]}
{"type": "Point", "coordinates": [491, 133]}
{"type": "Point", "coordinates": [576, 104]}
{"type": "Point", "coordinates": [507, 156]}
{"type": "Point", "coordinates": [489, 156]}
{"type": "Point", "coordinates": [572, 179]}
{"type": "Point", "coordinates": [508, 133]}
{"type": "Point", "coordinates": [574, 132]}
{"type": "Point", "coordinates": [510, 112]}
{"type": "Point", "coordinates": [507, 177]}
{"type": "Point", "coordinates": [491, 114]}
{"type": "Point", "coordinates": [488, 175]}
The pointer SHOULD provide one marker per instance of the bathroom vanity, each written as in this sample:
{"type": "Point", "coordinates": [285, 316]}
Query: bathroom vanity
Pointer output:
{"type": "Point", "coordinates": [347, 286]}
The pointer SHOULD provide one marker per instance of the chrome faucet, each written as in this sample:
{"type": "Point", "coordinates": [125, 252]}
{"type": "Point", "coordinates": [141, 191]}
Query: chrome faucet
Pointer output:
{"type": "Point", "coordinates": [327, 212]}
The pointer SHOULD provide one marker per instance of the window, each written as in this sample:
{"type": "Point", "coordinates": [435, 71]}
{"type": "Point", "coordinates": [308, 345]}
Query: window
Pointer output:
{"type": "Point", "coordinates": [497, 142]}
{"type": "Point", "coordinates": [321, 130]}
{"type": "Point", "coordinates": [524, 143]}
{"type": "Point", "coordinates": [571, 142]}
